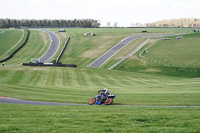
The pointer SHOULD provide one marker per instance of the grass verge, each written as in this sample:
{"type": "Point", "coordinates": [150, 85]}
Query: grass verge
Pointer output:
{"type": "Point", "coordinates": [32, 118]}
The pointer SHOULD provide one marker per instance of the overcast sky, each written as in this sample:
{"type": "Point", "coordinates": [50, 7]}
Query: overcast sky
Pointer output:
{"type": "Point", "coordinates": [124, 12]}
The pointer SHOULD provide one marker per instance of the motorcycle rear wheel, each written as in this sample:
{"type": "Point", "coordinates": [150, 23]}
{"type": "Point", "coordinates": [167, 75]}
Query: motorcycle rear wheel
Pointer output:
{"type": "Point", "coordinates": [108, 101]}
{"type": "Point", "coordinates": [92, 101]}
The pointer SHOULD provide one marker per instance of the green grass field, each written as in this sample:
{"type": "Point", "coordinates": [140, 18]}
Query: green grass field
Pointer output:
{"type": "Point", "coordinates": [185, 51]}
{"type": "Point", "coordinates": [87, 119]}
{"type": "Point", "coordinates": [79, 85]}
{"type": "Point", "coordinates": [36, 46]}
{"type": "Point", "coordinates": [167, 57]}
{"type": "Point", "coordinates": [137, 81]}
{"type": "Point", "coordinates": [9, 39]}
{"type": "Point", "coordinates": [81, 49]}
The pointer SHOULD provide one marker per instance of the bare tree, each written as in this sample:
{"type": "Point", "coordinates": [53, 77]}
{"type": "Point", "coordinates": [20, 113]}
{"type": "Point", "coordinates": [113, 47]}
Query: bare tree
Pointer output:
{"type": "Point", "coordinates": [108, 24]}
{"type": "Point", "coordinates": [115, 24]}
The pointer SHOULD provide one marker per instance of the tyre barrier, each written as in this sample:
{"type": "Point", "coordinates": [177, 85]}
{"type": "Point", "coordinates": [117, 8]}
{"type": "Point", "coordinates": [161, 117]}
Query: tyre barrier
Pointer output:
{"type": "Point", "coordinates": [58, 64]}
{"type": "Point", "coordinates": [63, 50]}
{"type": "Point", "coordinates": [9, 57]}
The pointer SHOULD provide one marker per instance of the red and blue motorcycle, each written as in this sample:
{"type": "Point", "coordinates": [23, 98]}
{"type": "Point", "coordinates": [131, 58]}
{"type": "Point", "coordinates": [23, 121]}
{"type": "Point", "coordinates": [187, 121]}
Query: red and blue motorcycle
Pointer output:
{"type": "Point", "coordinates": [107, 100]}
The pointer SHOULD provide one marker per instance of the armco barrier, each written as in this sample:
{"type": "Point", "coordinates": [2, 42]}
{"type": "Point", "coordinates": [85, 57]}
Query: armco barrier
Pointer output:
{"type": "Point", "coordinates": [139, 47]}
{"type": "Point", "coordinates": [63, 50]}
{"type": "Point", "coordinates": [9, 57]}
{"type": "Point", "coordinates": [129, 55]}
{"type": "Point", "coordinates": [58, 64]}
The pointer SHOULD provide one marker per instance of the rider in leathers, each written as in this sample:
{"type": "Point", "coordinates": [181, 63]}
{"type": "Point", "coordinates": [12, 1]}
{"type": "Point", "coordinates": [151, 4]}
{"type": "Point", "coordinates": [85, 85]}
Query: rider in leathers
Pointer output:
{"type": "Point", "coordinates": [104, 93]}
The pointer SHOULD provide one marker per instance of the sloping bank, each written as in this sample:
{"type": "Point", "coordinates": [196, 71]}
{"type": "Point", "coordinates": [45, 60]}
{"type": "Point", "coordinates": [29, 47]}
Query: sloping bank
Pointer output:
{"type": "Point", "coordinates": [9, 57]}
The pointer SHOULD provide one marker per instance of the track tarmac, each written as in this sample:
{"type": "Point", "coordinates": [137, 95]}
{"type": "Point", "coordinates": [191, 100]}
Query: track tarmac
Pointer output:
{"type": "Point", "coordinates": [18, 101]}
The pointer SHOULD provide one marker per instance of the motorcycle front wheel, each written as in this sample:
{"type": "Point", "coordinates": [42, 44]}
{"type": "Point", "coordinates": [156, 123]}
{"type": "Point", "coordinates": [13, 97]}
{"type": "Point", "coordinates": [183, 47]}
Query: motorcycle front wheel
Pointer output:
{"type": "Point", "coordinates": [109, 101]}
{"type": "Point", "coordinates": [92, 101]}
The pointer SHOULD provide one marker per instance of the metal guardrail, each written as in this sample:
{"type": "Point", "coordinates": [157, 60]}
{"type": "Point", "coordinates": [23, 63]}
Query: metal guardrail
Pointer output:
{"type": "Point", "coordinates": [140, 46]}
{"type": "Point", "coordinates": [133, 52]}
{"type": "Point", "coordinates": [178, 34]}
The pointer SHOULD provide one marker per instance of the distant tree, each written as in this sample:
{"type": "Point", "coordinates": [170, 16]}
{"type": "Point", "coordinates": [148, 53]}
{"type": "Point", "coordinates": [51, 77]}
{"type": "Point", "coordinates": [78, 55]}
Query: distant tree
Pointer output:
{"type": "Point", "coordinates": [94, 24]}
{"type": "Point", "coordinates": [195, 19]}
{"type": "Point", "coordinates": [115, 24]}
{"type": "Point", "coordinates": [182, 22]}
{"type": "Point", "coordinates": [86, 23]}
{"type": "Point", "coordinates": [108, 24]}
{"type": "Point", "coordinates": [1, 23]}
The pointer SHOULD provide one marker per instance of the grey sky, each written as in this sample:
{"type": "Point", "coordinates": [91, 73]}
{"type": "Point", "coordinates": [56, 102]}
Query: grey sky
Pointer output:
{"type": "Point", "coordinates": [124, 12]}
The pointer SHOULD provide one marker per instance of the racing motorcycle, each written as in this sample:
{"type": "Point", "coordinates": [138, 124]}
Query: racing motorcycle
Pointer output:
{"type": "Point", "coordinates": [107, 100]}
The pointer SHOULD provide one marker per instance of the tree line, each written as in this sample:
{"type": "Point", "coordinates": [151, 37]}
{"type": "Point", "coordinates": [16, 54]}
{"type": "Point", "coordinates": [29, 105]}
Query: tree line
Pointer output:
{"type": "Point", "coordinates": [16, 23]}
{"type": "Point", "coordinates": [181, 22]}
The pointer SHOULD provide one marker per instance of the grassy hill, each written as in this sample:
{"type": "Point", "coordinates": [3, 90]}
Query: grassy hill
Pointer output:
{"type": "Point", "coordinates": [37, 45]}
{"type": "Point", "coordinates": [78, 85]}
{"type": "Point", "coordinates": [182, 52]}
{"type": "Point", "coordinates": [134, 82]}
{"type": "Point", "coordinates": [9, 39]}
{"type": "Point", "coordinates": [81, 49]}
{"type": "Point", "coordinates": [167, 57]}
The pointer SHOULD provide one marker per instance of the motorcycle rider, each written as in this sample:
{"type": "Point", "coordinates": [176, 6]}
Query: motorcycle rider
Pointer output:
{"type": "Point", "coordinates": [104, 93]}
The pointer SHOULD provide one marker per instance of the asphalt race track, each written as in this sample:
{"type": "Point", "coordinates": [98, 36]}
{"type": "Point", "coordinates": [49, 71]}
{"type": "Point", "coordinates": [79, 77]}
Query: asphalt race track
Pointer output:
{"type": "Point", "coordinates": [106, 56]}
{"type": "Point", "coordinates": [17, 101]}
{"type": "Point", "coordinates": [55, 42]}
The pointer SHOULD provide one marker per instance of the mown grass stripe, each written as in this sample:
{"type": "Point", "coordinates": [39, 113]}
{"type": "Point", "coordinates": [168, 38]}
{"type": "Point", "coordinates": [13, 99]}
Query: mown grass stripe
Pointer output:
{"type": "Point", "coordinates": [95, 79]}
{"type": "Point", "coordinates": [51, 78]}
{"type": "Point", "coordinates": [8, 76]}
{"type": "Point", "coordinates": [101, 80]}
{"type": "Point", "coordinates": [27, 77]}
{"type": "Point", "coordinates": [35, 78]}
{"type": "Point", "coordinates": [66, 78]}
{"type": "Point", "coordinates": [73, 78]}
{"type": "Point", "coordinates": [104, 79]}
{"type": "Point", "coordinates": [3, 74]}
{"type": "Point", "coordinates": [31, 92]}
{"type": "Point", "coordinates": [109, 80]}
{"type": "Point", "coordinates": [87, 79]}
{"type": "Point", "coordinates": [38, 77]}
{"type": "Point", "coordinates": [118, 81]}
{"type": "Point", "coordinates": [43, 80]}
{"type": "Point", "coordinates": [58, 77]}
{"type": "Point", "coordinates": [80, 78]}
{"type": "Point", "coordinates": [16, 77]}
{"type": "Point", "coordinates": [125, 81]}
{"type": "Point", "coordinates": [46, 90]}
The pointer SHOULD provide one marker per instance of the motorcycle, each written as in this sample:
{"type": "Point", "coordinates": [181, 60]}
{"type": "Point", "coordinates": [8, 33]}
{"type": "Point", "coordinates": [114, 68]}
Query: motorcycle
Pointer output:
{"type": "Point", "coordinates": [108, 100]}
